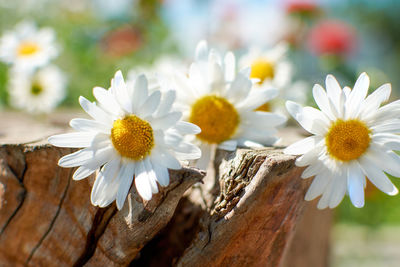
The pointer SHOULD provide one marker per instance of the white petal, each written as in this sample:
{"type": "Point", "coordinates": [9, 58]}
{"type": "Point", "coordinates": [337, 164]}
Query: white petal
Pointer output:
{"type": "Point", "coordinates": [355, 185]}
{"type": "Point", "coordinates": [313, 169]}
{"type": "Point", "coordinates": [303, 146]}
{"type": "Point", "coordinates": [389, 126]}
{"type": "Point", "coordinates": [106, 100]}
{"type": "Point", "coordinates": [90, 126]}
{"type": "Point", "coordinates": [377, 177]}
{"type": "Point", "coordinates": [187, 128]}
{"type": "Point", "coordinates": [230, 66]}
{"type": "Point", "coordinates": [187, 151]}
{"type": "Point", "coordinates": [388, 161]}
{"type": "Point", "coordinates": [120, 92]}
{"type": "Point", "coordinates": [140, 93]}
{"type": "Point", "coordinates": [257, 98]}
{"type": "Point", "coordinates": [318, 186]}
{"type": "Point", "coordinates": [164, 158]}
{"type": "Point", "coordinates": [333, 90]}
{"type": "Point", "coordinates": [151, 175]}
{"type": "Point", "coordinates": [81, 139]}
{"type": "Point", "coordinates": [239, 88]}
{"type": "Point", "coordinates": [142, 182]}
{"type": "Point", "coordinates": [357, 96]}
{"type": "Point", "coordinates": [206, 155]}
{"type": "Point", "coordinates": [374, 100]}
{"type": "Point", "coordinates": [82, 156]}
{"type": "Point", "coordinates": [321, 98]}
{"type": "Point", "coordinates": [310, 119]}
{"type": "Point", "coordinates": [229, 145]}
{"type": "Point", "coordinates": [339, 189]}
{"type": "Point", "coordinates": [309, 157]}
{"type": "Point", "coordinates": [125, 176]}
{"type": "Point", "coordinates": [106, 185]}
{"type": "Point", "coordinates": [151, 104]}
{"type": "Point", "coordinates": [166, 121]}
{"type": "Point", "coordinates": [262, 119]}
{"type": "Point", "coordinates": [83, 172]}
{"type": "Point", "coordinates": [324, 200]}
{"type": "Point", "coordinates": [162, 174]}
{"type": "Point", "coordinates": [165, 106]}
{"type": "Point", "coordinates": [94, 111]}
{"type": "Point", "coordinates": [201, 51]}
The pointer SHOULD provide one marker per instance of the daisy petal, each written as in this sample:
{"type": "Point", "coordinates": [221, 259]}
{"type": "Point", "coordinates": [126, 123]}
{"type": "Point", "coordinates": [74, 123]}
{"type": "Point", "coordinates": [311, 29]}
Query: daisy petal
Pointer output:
{"type": "Point", "coordinates": [125, 176]}
{"type": "Point", "coordinates": [187, 128]}
{"type": "Point", "coordinates": [303, 146]}
{"type": "Point", "coordinates": [81, 139]}
{"type": "Point", "coordinates": [140, 93]}
{"type": "Point", "coordinates": [86, 125]}
{"type": "Point", "coordinates": [355, 185]}
{"type": "Point", "coordinates": [162, 174]}
{"type": "Point", "coordinates": [142, 182]}
{"type": "Point", "coordinates": [150, 105]}
{"type": "Point", "coordinates": [106, 100]}
{"type": "Point", "coordinates": [229, 145]}
{"type": "Point", "coordinates": [321, 98]}
{"type": "Point", "coordinates": [318, 186]}
{"type": "Point", "coordinates": [94, 111]}
{"type": "Point", "coordinates": [377, 177]}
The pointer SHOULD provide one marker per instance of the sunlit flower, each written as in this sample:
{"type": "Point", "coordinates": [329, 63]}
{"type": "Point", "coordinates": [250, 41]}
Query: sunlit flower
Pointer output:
{"type": "Point", "coordinates": [222, 103]}
{"type": "Point", "coordinates": [27, 46]}
{"type": "Point", "coordinates": [38, 92]}
{"type": "Point", "coordinates": [353, 138]}
{"type": "Point", "coordinates": [133, 135]}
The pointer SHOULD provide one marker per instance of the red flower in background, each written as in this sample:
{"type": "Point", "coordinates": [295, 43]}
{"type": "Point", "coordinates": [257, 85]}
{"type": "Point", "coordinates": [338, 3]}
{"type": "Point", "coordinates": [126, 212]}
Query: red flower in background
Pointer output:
{"type": "Point", "coordinates": [332, 37]}
{"type": "Point", "coordinates": [302, 7]}
{"type": "Point", "coordinates": [122, 41]}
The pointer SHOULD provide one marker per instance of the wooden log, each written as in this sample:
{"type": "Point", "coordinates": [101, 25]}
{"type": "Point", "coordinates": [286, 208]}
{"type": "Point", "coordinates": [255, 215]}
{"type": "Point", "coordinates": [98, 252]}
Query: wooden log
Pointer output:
{"type": "Point", "coordinates": [248, 211]}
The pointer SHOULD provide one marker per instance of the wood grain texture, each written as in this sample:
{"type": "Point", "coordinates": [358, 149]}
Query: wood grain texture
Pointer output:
{"type": "Point", "coordinates": [47, 218]}
{"type": "Point", "coordinates": [248, 211]}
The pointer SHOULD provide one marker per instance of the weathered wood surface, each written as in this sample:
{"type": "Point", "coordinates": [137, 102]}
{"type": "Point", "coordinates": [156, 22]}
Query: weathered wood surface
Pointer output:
{"type": "Point", "coordinates": [253, 214]}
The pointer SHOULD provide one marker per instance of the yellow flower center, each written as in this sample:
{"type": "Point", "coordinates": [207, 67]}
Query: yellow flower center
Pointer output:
{"type": "Point", "coordinates": [347, 140]}
{"type": "Point", "coordinates": [27, 49]}
{"type": "Point", "coordinates": [132, 137]}
{"type": "Point", "coordinates": [263, 70]}
{"type": "Point", "coordinates": [264, 107]}
{"type": "Point", "coordinates": [217, 118]}
{"type": "Point", "coordinates": [36, 89]}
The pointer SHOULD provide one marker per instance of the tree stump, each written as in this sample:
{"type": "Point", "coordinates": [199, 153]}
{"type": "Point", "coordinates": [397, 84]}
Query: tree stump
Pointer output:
{"type": "Point", "coordinates": [247, 211]}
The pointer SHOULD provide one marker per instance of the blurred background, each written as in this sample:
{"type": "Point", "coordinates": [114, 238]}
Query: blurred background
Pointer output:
{"type": "Point", "coordinates": [342, 37]}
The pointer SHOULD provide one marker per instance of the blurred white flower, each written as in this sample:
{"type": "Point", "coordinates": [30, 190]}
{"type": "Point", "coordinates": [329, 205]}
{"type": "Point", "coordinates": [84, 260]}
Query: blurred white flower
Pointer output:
{"type": "Point", "coordinates": [271, 68]}
{"type": "Point", "coordinates": [38, 92]}
{"type": "Point", "coordinates": [353, 138]}
{"type": "Point", "coordinates": [28, 47]}
{"type": "Point", "coordinates": [133, 135]}
{"type": "Point", "coordinates": [160, 73]}
{"type": "Point", "coordinates": [222, 102]}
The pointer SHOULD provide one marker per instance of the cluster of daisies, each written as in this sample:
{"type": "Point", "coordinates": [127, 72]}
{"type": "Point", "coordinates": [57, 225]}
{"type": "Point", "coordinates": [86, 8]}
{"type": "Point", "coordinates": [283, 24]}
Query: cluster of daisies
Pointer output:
{"type": "Point", "coordinates": [142, 127]}
{"type": "Point", "coordinates": [34, 84]}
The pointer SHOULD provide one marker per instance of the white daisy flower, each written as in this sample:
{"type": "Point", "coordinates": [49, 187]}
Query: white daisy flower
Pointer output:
{"type": "Point", "coordinates": [221, 102]}
{"type": "Point", "coordinates": [28, 47]}
{"type": "Point", "coordinates": [269, 68]}
{"type": "Point", "coordinates": [353, 138]}
{"type": "Point", "coordinates": [132, 134]}
{"type": "Point", "coordinates": [38, 92]}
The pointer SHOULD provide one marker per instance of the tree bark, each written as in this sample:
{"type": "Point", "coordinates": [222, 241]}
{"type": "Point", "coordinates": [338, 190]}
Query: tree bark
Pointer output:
{"type": "Point", "coordinates": [248, 210]}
